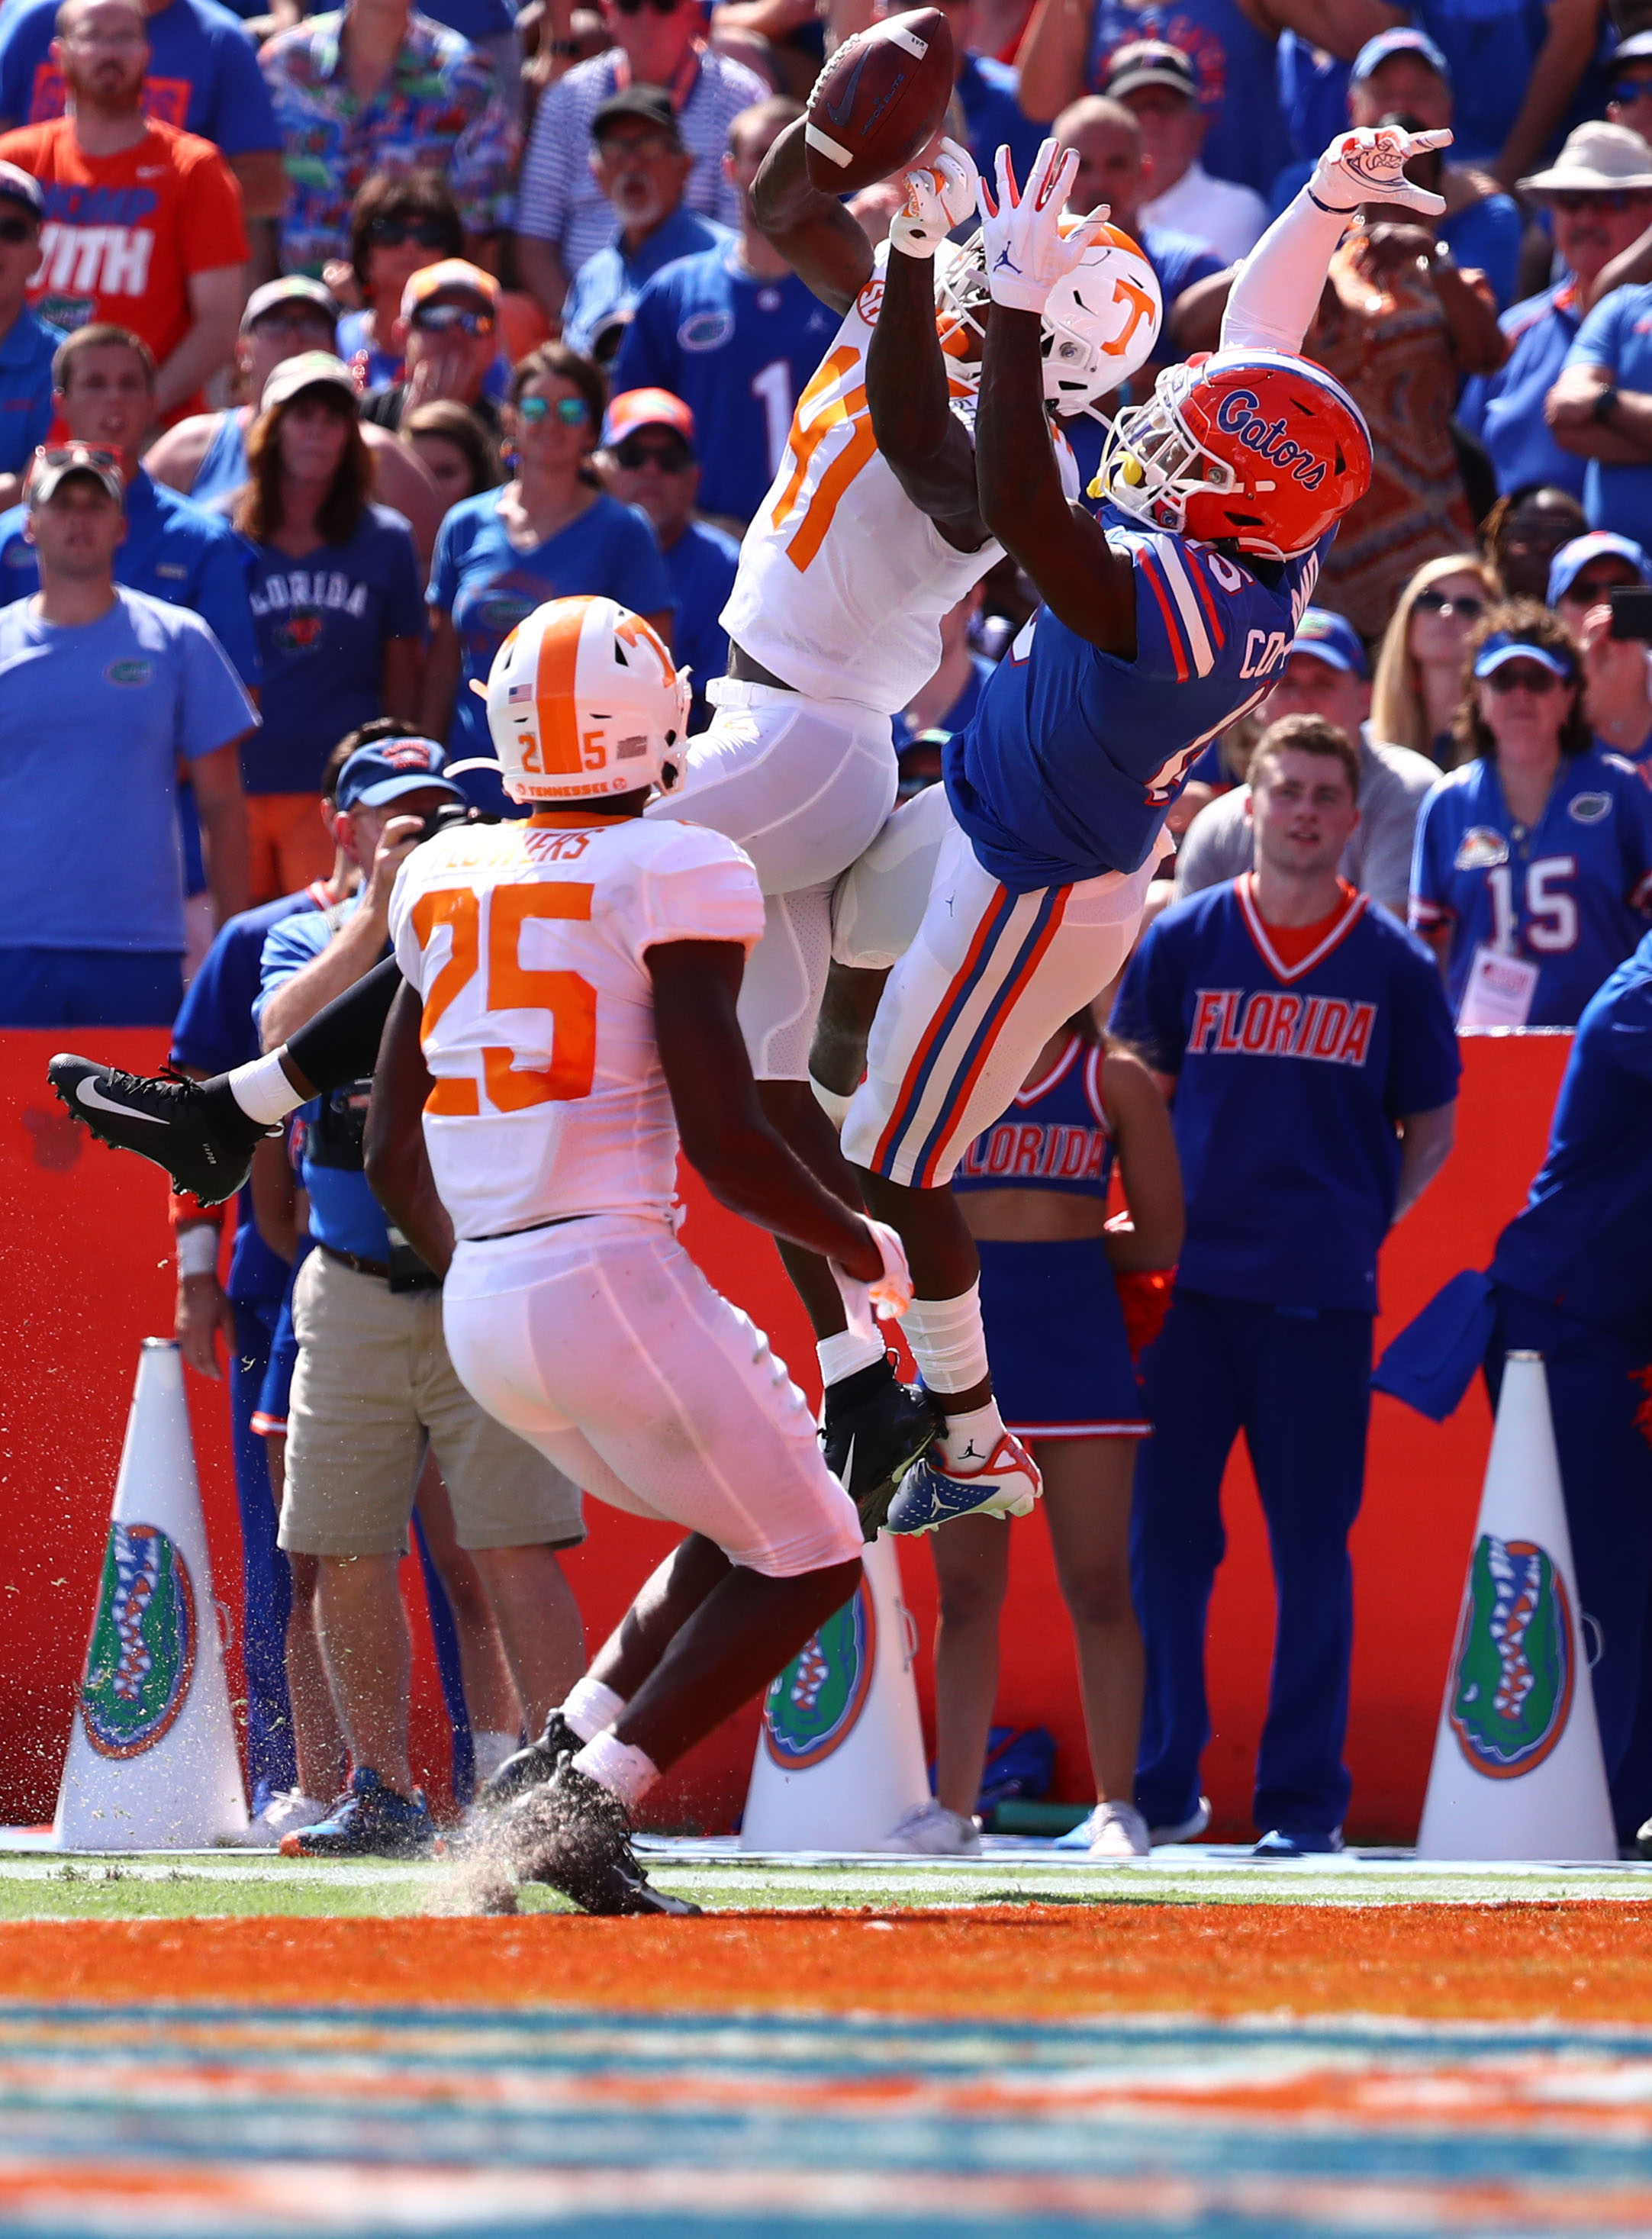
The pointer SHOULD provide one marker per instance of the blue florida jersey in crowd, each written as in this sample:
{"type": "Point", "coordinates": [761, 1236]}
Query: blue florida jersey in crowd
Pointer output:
{"type": "Point", "coordinates": [1580, 1242]}
{"type": "Point", "coordinates": [1291, 1070]}
{"type": "Point", "coordinates": [1570, 896]}
{"type": "Point", "coordinates": [1055, 1136]}
{"type": "Point", "coordinates": [1075, 755]}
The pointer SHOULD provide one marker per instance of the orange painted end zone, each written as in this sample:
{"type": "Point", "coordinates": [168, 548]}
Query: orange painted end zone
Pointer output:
{"type": "Point", "coordinates": [1572, 1963]}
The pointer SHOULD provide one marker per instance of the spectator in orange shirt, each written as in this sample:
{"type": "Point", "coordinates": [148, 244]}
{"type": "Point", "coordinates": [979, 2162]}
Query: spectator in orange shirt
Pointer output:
{"type": "Point", "coordinates": [143, 223]}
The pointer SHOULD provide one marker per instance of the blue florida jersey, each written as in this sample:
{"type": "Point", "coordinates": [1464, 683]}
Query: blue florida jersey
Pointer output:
{"type": "Point", "coordinates": [1075, 756]}
{"type": "Point", "coordinates": [1580, 1242]}
{"type": "Point", "coordinates": [1570, 896]}
{"type": "Point", "coordinates": [1291, 1070]}
{"type": "Point", "coordinates": [1055, 1136]}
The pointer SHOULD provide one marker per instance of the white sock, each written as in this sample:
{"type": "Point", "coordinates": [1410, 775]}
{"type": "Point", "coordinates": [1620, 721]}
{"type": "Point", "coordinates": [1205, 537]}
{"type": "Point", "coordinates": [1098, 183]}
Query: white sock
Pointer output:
{"type": "Point", "coordinates": [628, 1773]}
{"type": "Point", "coordinates": [488, 1750]}
{"type": "Point", "coordinates": [967, 1444]}
{"type": "Point", "coordinates": [948, 1342]}
{"type": "Point", "coordinates": [842, 1355]}
{"type": "Point", "coordinates": [590, 1707]}
{"type": "Point", "coordinates": [262, 1090]}
{"type": "Point", "coordinates": [831, 1102]}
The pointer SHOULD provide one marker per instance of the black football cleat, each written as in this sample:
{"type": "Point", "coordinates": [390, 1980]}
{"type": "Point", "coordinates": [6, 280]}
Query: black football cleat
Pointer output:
{"type": "Point", "coordinates": [531, 1767]}
{"type": "Point", "coordinates": [875, 1429]}
{"type": "Point", "coordinates": [174, 1122]}
{"type": "Point", "coordinates": [574, 1835]}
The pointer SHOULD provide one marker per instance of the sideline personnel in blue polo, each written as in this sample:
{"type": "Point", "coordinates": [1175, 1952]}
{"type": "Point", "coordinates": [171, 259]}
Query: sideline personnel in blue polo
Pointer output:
{"type": "Point", "coordinates": [1306, 1040]}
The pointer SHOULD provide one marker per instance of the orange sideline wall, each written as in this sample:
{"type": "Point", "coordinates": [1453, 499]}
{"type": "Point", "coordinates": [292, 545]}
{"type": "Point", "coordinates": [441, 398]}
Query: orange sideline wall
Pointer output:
{"type": "Point", "coordinates": [86, 1272]}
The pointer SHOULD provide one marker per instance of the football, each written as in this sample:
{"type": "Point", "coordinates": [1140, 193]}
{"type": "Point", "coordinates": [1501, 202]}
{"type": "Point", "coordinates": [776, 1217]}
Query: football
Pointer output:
{"type": "Point", "coordinates": [877, 101]}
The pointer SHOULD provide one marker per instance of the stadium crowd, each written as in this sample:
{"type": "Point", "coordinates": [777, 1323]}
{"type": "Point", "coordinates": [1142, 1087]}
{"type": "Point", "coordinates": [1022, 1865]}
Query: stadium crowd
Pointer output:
{"type": "Point", "coordinates": [332, 346]}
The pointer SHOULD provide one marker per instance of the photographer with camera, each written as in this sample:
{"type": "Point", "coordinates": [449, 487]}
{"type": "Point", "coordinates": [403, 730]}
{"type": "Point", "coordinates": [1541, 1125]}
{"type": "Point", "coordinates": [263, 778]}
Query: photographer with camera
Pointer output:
{"type": "Point", "coordinates": [1598, 585]}
{"type": "Point", "coordinates": [374, 1385]}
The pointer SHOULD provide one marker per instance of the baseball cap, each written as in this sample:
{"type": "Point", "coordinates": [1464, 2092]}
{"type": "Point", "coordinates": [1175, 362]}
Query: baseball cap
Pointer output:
{"type": "Point", "coordinates": [1332, 639]}
{"type": "Point", "coordinates": [1500, 647]}
{"type": "Point", "coordinates": [54, 463]}
{"type": "Point", "coordinates": [1637, 50]}
{"type": "Point", "coordinates": [19, 186]}
{"type": "Point", "coordinates": [291, 287]}
{"type": "Point", "coordinates": [310, 370]}
{"type": "Point", "coordinates": [1403, 39]}
{"type": "Point", "coordinates": [651, 103]}
{"type": "Point", "coordinates": [1149, 62]}
{"type": "Point", "coordinates": [1570, 561]}
{"type": "Point", "coordinates": [389, 768]}
{"type": "Point", "coordinates": [1596, 159]}
{"type": "Point", "coordinates": [647, 408]}
{"type": "Point", "coordinates": [451, 272]}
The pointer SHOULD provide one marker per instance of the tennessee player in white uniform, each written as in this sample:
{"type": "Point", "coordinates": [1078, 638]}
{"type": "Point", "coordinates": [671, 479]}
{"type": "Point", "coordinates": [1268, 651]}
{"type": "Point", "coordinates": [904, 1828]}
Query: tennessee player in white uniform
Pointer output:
{"type": "Point", "coordinates": [569, 1010]}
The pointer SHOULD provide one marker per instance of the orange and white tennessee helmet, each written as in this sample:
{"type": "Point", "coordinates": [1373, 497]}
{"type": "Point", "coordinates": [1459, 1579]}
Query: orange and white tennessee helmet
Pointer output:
{"type": "Point", "coordinates": [1100, 323]}
{"type": "Point", "coordinates": [583, 701]}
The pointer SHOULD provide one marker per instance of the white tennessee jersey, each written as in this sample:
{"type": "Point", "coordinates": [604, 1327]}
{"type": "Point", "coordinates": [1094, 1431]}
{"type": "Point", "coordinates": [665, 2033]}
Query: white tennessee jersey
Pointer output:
{"type": "Point", "coordinates": [525, 943]}
{"type": "Point", "coordinates": [842, 581]}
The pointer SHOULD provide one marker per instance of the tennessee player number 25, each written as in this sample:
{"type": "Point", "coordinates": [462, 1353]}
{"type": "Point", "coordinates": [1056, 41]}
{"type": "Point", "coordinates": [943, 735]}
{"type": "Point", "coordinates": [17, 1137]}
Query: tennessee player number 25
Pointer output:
{"type": "Point", "coordinates": [509, 985]}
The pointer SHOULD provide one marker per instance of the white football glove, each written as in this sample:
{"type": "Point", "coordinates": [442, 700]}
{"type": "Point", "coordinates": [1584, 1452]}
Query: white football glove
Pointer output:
{"type": "Point", "coordinates": [887, 1297]}
{"type": "Point", "coordinates": [1367, 166]}
{"type": "Point", "coordinates": [938, 196]}
{"type": "Point", "coordinates": [1026, 250]}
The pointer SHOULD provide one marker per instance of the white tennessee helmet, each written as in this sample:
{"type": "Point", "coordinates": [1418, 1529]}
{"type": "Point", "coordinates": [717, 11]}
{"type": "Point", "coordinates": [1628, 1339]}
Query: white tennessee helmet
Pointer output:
{"type": "Point", "coordinates": [584, 700]}
{"type": "Point", "coordinates": [1100, 323]}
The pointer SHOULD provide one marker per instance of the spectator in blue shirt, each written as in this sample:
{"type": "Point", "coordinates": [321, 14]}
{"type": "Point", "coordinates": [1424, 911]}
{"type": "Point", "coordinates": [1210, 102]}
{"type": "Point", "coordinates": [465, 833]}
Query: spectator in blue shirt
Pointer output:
{"type": "Point", "coordinates": [173, 550]}
{"type": "Point", "coordinates": [988, 92]}
{"type": "Point", "coordinates": [1617, 687]}
{"type": "Point", "coordinates": [26, 342]}
{"type": "Point", "coordinates": [639, 159]}
{"type": "Point", "coordinates": [736, 334]}
{"type": "Point", "coordinates": [103, 691]}
{"type": "Point", "coordinates": [1600, 408]}
{"type": "Point", "coordinates": [400, 221]}
{"type": "Point", "coordinates": [1516, 65]}
{"type": "Point", "coordinates": [650, 461]}
{"type": "Point", "coordinates": [202, 77]}
{"type": "Point", "coordinates": [551, 532]}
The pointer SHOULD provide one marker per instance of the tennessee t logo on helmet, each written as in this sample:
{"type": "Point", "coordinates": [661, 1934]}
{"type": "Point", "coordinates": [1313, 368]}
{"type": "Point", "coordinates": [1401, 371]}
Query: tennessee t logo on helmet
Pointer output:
{"type": "Point", "coordinates": [584, 700]}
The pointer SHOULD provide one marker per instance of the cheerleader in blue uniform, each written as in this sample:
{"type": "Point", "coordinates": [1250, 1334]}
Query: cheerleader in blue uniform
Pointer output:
{"type": "Point", "coordinates": [1033, 1189]}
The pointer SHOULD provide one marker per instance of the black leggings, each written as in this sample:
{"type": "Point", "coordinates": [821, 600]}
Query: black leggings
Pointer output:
{"type": "Point", "coordinates": [341, 1044]}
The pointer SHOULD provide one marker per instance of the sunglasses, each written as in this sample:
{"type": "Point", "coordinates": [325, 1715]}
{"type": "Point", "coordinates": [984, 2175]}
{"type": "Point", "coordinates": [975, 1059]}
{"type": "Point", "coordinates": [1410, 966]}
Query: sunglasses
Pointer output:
{"type": "Point", "coordinates": [1620, 199]}
{"type": "Point", "coordinates": [1436, 603]}
{"type": "Point", "coordinates": [636, 7]}
{"type": "Point", "coordinates": [670, 458]}
{"type": "Point", "coordinates": [1521, 676]}
{"type": "Point", "coordinates": [571, 411]}
{"type": "Point", "coordinates": [396, 232]}
{"type": "Point", "coordinates": [1629, 88]}
{"type": "Point", "coordinates": [77, 455]}
{"type": "Point", "coordinates": [453, 318]}
{"type": "Point", "coordinates": [16, 231]}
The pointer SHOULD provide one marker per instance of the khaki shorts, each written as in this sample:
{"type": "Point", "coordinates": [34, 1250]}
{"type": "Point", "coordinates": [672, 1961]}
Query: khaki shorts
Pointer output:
{"type": "Point", "coordinates": [373, 1386]}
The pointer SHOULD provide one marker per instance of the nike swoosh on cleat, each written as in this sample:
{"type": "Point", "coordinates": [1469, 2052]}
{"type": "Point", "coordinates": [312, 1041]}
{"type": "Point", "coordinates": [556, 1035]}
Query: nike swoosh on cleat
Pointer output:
{"type": "Point", "coordinates": [94, 1101]}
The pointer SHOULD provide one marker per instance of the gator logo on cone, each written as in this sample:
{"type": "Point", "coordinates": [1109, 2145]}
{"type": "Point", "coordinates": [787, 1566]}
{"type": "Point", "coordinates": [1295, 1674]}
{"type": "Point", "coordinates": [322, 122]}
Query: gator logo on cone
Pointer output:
{"type": "Point", "coordinates": [1513, 1671]}
{"type": "Point", "coordinates": [142, 1658]}
{"type": "Point", "coordinates": [812, 1709]}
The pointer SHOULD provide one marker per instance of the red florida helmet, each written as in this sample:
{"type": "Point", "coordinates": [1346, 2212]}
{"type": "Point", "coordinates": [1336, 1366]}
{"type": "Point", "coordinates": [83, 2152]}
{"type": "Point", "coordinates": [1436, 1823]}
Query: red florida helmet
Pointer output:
{"type": "Point", "coordinates": [1248, 447]}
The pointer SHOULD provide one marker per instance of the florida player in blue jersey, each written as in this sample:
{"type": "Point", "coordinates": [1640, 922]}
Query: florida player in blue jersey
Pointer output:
{"type": "Point", "coordinates": [1532, 873]}
{"type": "Point", "coordinates": [1163, 621]}
{"type": "Point", "coordinates": [1314, 1069]}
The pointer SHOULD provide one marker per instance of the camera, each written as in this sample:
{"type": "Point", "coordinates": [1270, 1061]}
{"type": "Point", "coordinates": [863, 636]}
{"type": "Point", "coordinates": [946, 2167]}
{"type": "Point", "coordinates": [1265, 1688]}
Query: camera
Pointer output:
{"type": "Point", "coordinates": [450, 813]}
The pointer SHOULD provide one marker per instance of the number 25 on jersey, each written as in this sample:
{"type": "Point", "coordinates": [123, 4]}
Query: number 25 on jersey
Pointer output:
{"type": "Point", "coordinates": [508, 986]}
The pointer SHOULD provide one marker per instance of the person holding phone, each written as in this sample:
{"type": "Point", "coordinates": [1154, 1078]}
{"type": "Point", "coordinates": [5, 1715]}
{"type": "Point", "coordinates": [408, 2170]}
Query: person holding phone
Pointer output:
{"type": "Point", "coordinates": [1532, 876]}
{"type": "Point", "coordinates": [1598, 586]}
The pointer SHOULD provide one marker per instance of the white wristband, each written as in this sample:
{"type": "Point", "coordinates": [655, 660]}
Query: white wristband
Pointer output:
{"type": "Point", "coordinates": [197, 1250]}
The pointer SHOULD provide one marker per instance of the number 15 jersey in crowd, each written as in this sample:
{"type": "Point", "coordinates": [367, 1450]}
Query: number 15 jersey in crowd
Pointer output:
{"type": "Point", "coordinates": [528, 942]}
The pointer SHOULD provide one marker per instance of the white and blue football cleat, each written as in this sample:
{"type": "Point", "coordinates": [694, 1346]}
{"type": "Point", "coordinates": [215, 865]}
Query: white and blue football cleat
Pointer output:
{"type": "Point", "coordinates": [1007, 1485]}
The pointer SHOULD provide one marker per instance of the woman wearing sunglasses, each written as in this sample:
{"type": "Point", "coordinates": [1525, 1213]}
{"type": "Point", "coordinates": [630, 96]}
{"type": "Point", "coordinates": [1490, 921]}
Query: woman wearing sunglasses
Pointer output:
{"type": "Point", "coordinates": [398, 225]}
{"type": "Point", "coordinates": [1419, 671]}
{"type": "Point", "coordinates": [551, 532]}
{"type": "Point", "coordinates": [1533, 870]}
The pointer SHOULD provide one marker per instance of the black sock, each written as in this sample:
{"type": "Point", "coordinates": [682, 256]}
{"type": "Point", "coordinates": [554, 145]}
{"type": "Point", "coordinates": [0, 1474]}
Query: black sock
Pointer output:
{"type": "Point", "coordinates": [860, 1385]}
{"type": "Point", "coordinates": [229, 1122]}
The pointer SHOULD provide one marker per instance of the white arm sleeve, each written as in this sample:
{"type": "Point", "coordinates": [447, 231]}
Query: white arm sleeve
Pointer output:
{"type": "Point", "coordinates": [1275, 293]}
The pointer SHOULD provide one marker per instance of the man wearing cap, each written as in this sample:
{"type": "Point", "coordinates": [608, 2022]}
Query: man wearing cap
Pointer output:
{"type": "Point", "coordinates": [1598, 196]}
{"type": "Point", "coordinates": [143, 222]}
{"type": "Point", "coordinates": [27, 343]}
{"type": "Point", "coordinates": [374, 1387]}
{"type": "Point", "coordinates": [374, 87]}
{"type": "Point", "coordinates": [447, 335]}
{"type": "Point", "coordinates": [639, 159]}
{"type": "Point", "coordinates": [1155, 82]}
{"type": "Point", "coordinates": [736, 334]}
{"type": "Point", "coordinates": [562, 217]}
{"type": "Point", "coordinates": [1629, 86]}
{"type": "Point", "coordinates": [1326, 674]}
{"type": "Point", "coordinates": [103, 692]}
{"type": "Point", "coordinates": [173, 550]}
{"type": "Point", "coordinates": [1309, 1052]}
{"type": "Point", "coordinates": [649, 460]}
{"type": "Point", "coordinates": [1599, 409]}
{"type": "Point", "coordinates": [1616, 697]}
